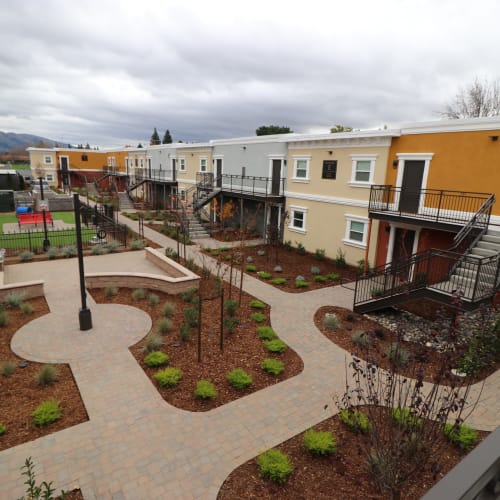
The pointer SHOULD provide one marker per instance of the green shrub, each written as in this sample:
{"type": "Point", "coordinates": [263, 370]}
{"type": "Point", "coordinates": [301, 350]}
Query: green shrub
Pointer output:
{"type": "Point", "coordinates": [250, 268]}
{"type": "Point", "coordinates": [398, 355]}
{"type": "Point", "coordinates": [320, 443]}
{"type": "Point", "coordinates": [111, 247]}
{"type": "Point", "coordinates": [377, 292]}
{"type": "Point", "coordinates": [273, 366]}
{"type": "Point", "coordinates": [46, 413]}
{"type": "Point", "coordinates": [258, 317]}
{"type": "Point", "coordinates": [153, 299]}
{"type": "Point", "coordinates": [404, 417]}
{"type": "Point", "coordinates": [137, 245]}
{"type": "Point", "coordinates": [331, 321]}
{"type": "Point", "coordinates": [274, 465]}
{"type": "Point", "coordinates": [164, 325]}
{"type": "Point", "coordinates": [315, 270]}
{"type": "Point", "coordinates": [278, 281]}
{"type": "Point", "coordinates": [205, 390]}
{"type": "Point", "coordinates": [340, 261]}
{"type": "Point", "coordinates": [189, 294]}
{"type": "Point", "coordinates": [138, 294]}
{"type": "Point", "coordinates": [266, 333]}
{"type": "Point", "coordinates": [47, 374]}
{"type": "Point", "coordinates": [153, 342]}
{"type": "Point", "coordinates": [26, 308]}
{"type": "Point", "coordinates": [156, 358]}
{"type": "Point", "coordinates": [4, 318]}
{"type": "Point", "coordinates": [52, 253]}
{"type": "Point", "coordinates": [26, 256]}
{"type": "Point", "coordinates": [300, 248]}
{"type": "Point", "coordinates": [264, 275]}
{"type": "Point", "coordinates": [231, 307]}
{"type": "Point", "coordinates": [257, 304]}
{"type": "Point", "coordinates": [191, 316]}
{"type": "Point", "coordinates": [361, 338]}
{"type": "Point", "coordinates": [231, 324]}
{"type": "Point", "coordinates": [8, 368]}
{"type": "Point", "coordinates": [332, 276]}
{"type": "Point", "coordinates": [275, 345]}
{"type": "Point", "coordinates": [69, 251]}
{"type": "Point", "coordinates": [169, 377]}
{"type": "Point", "coordinates": [320, 279]}
{"type": "Point", "coordinates": [111, 291]}
{"type": "Point", "coordinates": [239, 378]}
{"type": "Point", "coordinates": [3, 429]}
{"type": "Point", "coordinates": [168, 309]}
{"type": "Point", "coordinates": [185, 332]}
{"type": "Point", "coordinates": [355, 420]}
{"type": "Point", "coordinates": [15, 299]}
{"type": "Point", "coordinates": [461, 435]}
{"type": "Point", "coordinates": [319, 254]}
{"type": "Point", "coordinates": [98, 250]}
{"type": "Point", "coordinates": [287, 245]}
{"type": "Point", "coordinates": [301, 284]}
{"type": "Point", "coordinates": [278, 269]}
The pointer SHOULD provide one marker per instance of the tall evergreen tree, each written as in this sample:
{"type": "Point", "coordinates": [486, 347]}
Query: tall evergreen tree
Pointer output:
{"type": "Point", "coordinates": [140, 145]}
{"type": "Point", "coordinates": [155, 138]}
{"type": "Point", "coordinates": [167, 138]}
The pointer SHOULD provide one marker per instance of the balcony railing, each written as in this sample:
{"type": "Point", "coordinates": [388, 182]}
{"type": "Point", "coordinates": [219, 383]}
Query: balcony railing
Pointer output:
{"type": "Point", "coordinates": [243, 184]}
{"type": "Point", "coordinates": [432, 205]}
{"type": "Point", "coordinates": [167, 175]}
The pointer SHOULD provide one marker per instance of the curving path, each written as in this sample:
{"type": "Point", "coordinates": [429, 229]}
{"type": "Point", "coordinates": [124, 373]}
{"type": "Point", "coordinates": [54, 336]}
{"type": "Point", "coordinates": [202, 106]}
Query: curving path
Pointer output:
{"type": "Point", "coordinates": [136, 446]}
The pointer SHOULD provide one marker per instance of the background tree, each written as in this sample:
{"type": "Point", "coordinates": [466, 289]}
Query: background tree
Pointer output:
{"type": "Point", "coordinates": [167, 138]}
{"type": "Point", "coordinates": [273, 129]}
{"type": "Point", "coordinates": [340, 128]}
{"type": "Point", "coordinates": [155, 138]}
{"type": "Point", "coordinates": [140, 145]}
{"type": "Point", "coordinates": [480, 98]}
{"type": "Point", "coordinates": [87, 146]}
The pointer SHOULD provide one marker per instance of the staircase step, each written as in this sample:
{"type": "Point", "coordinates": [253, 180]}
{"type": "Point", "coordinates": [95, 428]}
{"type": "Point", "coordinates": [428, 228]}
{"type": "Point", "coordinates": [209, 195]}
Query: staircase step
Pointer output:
{"type": "Point", "coordinates": [493, 232]}
{"type": "Point", "coordinates": [482, 252]}
{"type": "Point", "coordinates": [488, 245]}
{"type": "Point", "coordinates": [491, 238]}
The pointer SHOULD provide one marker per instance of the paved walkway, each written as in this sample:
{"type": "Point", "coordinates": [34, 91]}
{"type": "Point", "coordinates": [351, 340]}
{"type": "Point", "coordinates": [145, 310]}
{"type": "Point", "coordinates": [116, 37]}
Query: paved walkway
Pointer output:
{"type": "Point", "coordinates": [135, 445]}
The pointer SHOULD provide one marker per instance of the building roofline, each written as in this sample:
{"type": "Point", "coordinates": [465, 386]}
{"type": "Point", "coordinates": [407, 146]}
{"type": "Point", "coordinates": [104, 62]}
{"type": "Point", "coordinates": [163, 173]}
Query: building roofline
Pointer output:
{"type": "Point", "coordinates": [461, 125]}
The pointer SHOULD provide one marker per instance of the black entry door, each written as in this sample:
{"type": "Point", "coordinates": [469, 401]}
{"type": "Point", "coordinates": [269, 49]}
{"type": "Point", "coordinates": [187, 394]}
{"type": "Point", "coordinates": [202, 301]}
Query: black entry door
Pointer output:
{"type": "Point", "coordinates": [411, 186]}
{"type": "Point", "coordinates": [276, 178]}
{"type": "Point", "coordinates": [218, 172]}
{"type": "Point", "coordinates": [64, 171]}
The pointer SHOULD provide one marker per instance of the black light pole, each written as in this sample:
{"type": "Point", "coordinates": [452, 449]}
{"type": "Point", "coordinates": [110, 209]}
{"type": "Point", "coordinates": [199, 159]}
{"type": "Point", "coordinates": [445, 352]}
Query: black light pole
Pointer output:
{"type": "Point", "coordinates": [46, 242]}
{"type": "Point", "coordinates": [84, 315]}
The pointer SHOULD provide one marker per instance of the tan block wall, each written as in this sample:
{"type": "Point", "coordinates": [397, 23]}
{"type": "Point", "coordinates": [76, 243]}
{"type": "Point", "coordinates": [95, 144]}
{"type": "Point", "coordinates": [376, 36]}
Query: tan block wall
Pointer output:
{"type": "Point", "coordinates": [30, 289]}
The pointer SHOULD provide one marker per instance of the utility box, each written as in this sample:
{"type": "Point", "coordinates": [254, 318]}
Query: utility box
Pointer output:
{"type": "Point", "coordinates": [7, 201]}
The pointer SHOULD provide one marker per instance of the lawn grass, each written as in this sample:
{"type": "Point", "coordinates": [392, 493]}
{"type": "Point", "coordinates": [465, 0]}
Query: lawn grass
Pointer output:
{"type": "Point", "coordinates": [57, 238]}
{"type": "Point", "coordinates": [9, 218]}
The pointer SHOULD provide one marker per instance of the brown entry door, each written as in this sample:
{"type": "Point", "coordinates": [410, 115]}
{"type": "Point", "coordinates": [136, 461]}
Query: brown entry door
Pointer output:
{"type": "Point", "coordinates": [402, 250]}
{"type": "Point", "coordinates": [411, 186]}
{"type": "Point", "coordinates": [276, 179]}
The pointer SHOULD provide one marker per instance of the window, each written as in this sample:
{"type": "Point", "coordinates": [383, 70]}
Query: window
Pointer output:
{"type": "Point", "coordinates": [301, 168]}
{"type": "Point", "coordinates": [363, 167]}
{"type": "Point", "coordinates": [47, 160]}
{"type": "Point", "coordinates": [182, 164]}
{"type": "Point", "coordinates": [49, 177]}
{"type": "Point", "coordinates": [111, 161]}
{"type": "Point", "coordinates": [182, 194]}
{"type": "Point", "coordinates": [85, 158]}
{"type": "Point", "coordinates": [298, 219]}
{"type": "Point", "coordinates": [203, 164]}
{"type": "Point", "coordinates": [142, 162]}
{"type": "Point", "coordinates": [355, 231]}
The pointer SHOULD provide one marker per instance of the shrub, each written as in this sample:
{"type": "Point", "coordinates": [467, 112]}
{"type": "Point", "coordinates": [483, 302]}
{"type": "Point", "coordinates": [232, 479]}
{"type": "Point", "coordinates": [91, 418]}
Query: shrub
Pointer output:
{"type": "Point", "coordinates": [257, 304]}
{"type": "Point", "coordinates": [188, 295]}
{"type": "Point", "coordinates": [26, 308]}
{"type": "Point", "coordinates": [275, 345]}
{"type": "Point", "coordinates": [69, 251]}
{"type": "Point", "coordinates": [164, 325]}
{"type": "Point", "coordinates": [111, 291]}
{"type": "Point", "coordinates": [239, 378]}
{"type": "Point", "coordinates": [331, 321]}
{"type": "Point", "coordinates": [3, 428]}
{"type": "Point", "coordinates": [320, 279]}
{"type": "Point", "coordinates": [156, 358]}
{"type": "Point", "coordinates": [138, 294]}
{"type": "Point", "coordinates": [46, 413]}
{"type": "Point", "coordinates": [273, 366]}
{"type": "Point", "coordinates": [111, 247]}
{"type": "Point", "coordinates": [184, 332]}
{"type": "Point", "coordinates": [361, 338]}
{"type": "Point", "coordinates": [26, 256]}
{"type": "Point", "coordinates": [98, 250]}
{"type": "Point", "coordinates": [249, 259]}
{"type": "Point", "coordinates": [15, 299]}
{"type": "Point", "coordinates": [52, 253]}
{"type": "Point", "coordinates": [332, 276]}
{"type": "Point", "coordinates": [231, 324]}
{"type": "Point", "coordinates": [404, 417]}
{"type": "Point", "coordinates": [355, 420]}
{"type": "Point", "coordinates": [300, 249]}
{"type": "Point", "coordinates": [153, 299]}
{"type": "Point", "coordinates": [300, 278]}
{"type": "Point", "coordinates": [205, 390]}
{"type": "Point", "coordinates": [153, 342]}
{"type": "Point", "coordinates": [4, 318]}
{"type": "Point", "coordinates": [461, 435]}
{"type": "Point", "coordinates": [274, 465]}
{"type": "Point", "coordinates": [320, 443]}
{"type": "Point", "coordinates": [231, 307]}
{"type": "Point", "coordinates": [278, 269]}
{"type": "Point", "coordinates": [319, 254]}
{"type": "Point", "coordinates": [250, 268]}
{"type": "Point", "coordinates": [377, 292]}
{"type": "Point", "coordinates": [191, 316]}
{"type": "Point", "coordinates": [258, 317]}
{"type": "Point", "coordinates": [340, 261]}
{"type": "Point", "coordinates": [169, 377]}
{"type": "Point", "coordinates": [171, 253]}
{"type": "Point", "coordinates": [261, 253]}
{"type": "Point", "coordinates": [301, 284]}
{"type": "Point", "coordinates": [264, 275]}
{"type": "Point", "coordinates": [47, 374]}
{"type": "Point", "coordinates": [315, 270]}
{"type": "Point", "coordinates": [266, 333]}
{"type": "Point", "coordinates": [137, 245]}
{"type": "Point", "coordinates": [8, 368]}
{"type": "Point", "coordinates": [168, 309]}
{"type": "Point", "coordinates": [278, 281]}
{"type": "Point", "coordinates": [287, 245]}
{"type": "Point", "coordinates": [398, 355]}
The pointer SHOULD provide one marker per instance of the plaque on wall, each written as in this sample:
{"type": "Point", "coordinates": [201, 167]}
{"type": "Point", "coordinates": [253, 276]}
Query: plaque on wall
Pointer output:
{"type": "Point", "coordinates": [329, 169]}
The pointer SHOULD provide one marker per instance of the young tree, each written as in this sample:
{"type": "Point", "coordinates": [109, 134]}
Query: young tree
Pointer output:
{"type": "Point", "coordinates": [480, 98]}
{"type": "Point", "coordinates": [340, 128]}
{"type": "Point", "coordinates": [155, 138]}
{"type": "Point", "coordinates": [167, 138]}
{"type": "Point", "coordinates": [273, 129]}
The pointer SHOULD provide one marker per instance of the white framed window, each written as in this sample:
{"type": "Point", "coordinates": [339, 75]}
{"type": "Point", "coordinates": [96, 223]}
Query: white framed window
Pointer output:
{"type": "Point", "coordinates": [182, 194]}
{"type": "Point", "coordinates": [47, 160]}
{"type": "Point", "coordinates": [301, 168]}
{"type": "Point", "coordinates": [356, 231]}
{"type": "Point", "coordinates": [141, 163]}
{"type": "Point", "coordinates": [298, 219]}
{"type": "Point", "coordinates": [203, 164]}
{"type": "Point", "coordinates": [182, 164]}
{"type": "Point", "coordinates": [363, 169]}
{"type": "Point", "coordinates": [49, 177]}
{"type": "Point", "coordinates": [111, 161]}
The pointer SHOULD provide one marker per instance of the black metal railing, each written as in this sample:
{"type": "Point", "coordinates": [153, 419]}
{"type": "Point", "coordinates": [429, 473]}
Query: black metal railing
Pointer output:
{"type": "Point", "coordinates": [433, 205]}
{"type": "Point", "coordinates": [167, 175]}
{"type": "Point", "coordinates": [242, 184]}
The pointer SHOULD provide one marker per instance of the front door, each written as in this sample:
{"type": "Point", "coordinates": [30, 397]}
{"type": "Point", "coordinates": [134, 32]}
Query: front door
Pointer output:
{"type": "Point", "coordinates": [64, 170]}
{"type": "Point", "coordinates": [276, 179]}
{"type": "Point", "coordinates": [218, 172]}
{"type": "Point", "coordinates": [411, 186]}
{"type": "Point", "coordinates": [402, 251]}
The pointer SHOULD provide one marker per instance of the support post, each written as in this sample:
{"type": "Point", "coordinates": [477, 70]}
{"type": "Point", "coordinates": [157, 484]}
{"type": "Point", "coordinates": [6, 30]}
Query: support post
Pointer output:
{"type": "Point", "coordinates": [365, 267]}
{"type": "Point", "coordinates": [46, 242]}
{"type": "Point", "coordinates": [199, 328]}
{"type": "Point", "coordinates": [222, 319]}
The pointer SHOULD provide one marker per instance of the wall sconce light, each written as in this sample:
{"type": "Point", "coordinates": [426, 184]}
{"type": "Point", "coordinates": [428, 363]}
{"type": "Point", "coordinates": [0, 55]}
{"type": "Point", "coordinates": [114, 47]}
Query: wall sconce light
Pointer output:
{"type": "Point", "coordinates": [494, 138]}
{"type": "Point", "coordinates": [395, 163]}
{"type": "Point", "coordinates": [284, 161]}
{"type": "Point", "coordinates": [330, 152]}
{"type": "Point", "coordinates": [244, 147]}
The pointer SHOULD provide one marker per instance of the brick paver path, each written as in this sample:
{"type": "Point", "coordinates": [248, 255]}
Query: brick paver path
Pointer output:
{"type": "Point", "coordinates": [136, 446]}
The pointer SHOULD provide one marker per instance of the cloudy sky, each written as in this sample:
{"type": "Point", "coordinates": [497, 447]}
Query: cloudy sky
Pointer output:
{"type": "Point", "coordinates": [106, 72]}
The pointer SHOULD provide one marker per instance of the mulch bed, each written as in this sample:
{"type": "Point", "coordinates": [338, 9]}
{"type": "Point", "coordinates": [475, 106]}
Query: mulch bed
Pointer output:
{"type": "Point", "coordinates": [242, 348]}
{"type": "Point", "coordinates": [342, 475]}
{"type": "Point", "coordinates": [21, 393]}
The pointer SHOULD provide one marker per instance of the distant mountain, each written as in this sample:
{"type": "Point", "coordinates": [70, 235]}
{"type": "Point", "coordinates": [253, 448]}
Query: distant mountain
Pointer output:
{"type": "Point", "coordinates": [10, 140]}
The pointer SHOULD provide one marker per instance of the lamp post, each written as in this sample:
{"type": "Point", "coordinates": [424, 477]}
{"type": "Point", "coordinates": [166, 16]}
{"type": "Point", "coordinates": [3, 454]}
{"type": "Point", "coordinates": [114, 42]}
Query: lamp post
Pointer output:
{"type": "Point", "coordinates": [43, 206]}
{"type": "Point", "coordinates": [84, 316]}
